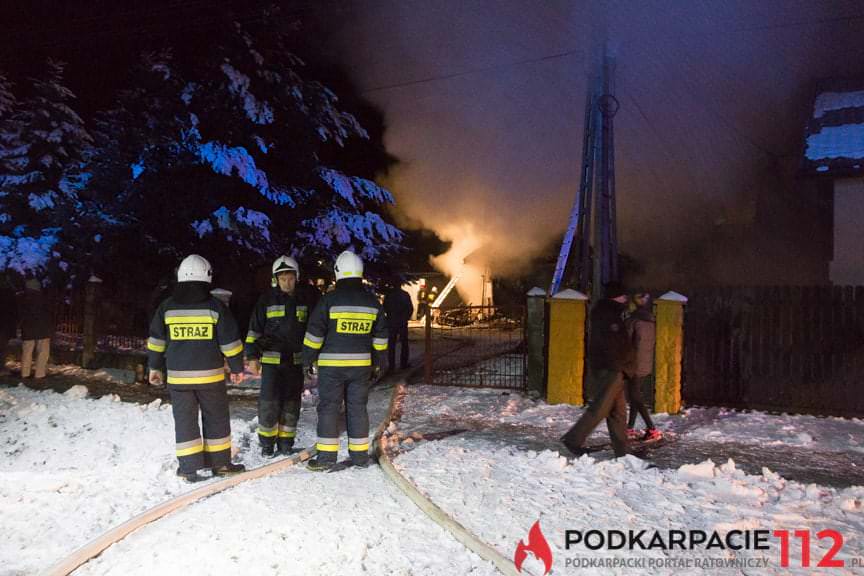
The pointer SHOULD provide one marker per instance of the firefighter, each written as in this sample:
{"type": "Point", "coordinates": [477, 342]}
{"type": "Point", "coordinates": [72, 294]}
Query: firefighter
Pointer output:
{"type": "Point", "coordinates": [346, 336]}
{"type": "Point", "coordinates": [191, 334]}
{"type": "Point", "coordinates": [274, 345]}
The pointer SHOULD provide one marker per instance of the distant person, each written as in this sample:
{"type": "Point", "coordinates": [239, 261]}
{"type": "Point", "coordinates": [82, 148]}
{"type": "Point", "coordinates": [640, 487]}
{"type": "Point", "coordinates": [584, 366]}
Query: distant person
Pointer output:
{"type": "Point", "coordinates": [191, 335]}
{"type": "Point", "coordinates": [398, 307]}
{"type": "Point", "coordinates": [8, 319]}
{"type": "Point", "coordinates": [642, 329]}
{"type": "Point", "coordinates": [37, 328]}
{"type": "Point", "coordinates": [610, 356]}
{"type": "Point", "coordinates": [421, 302]}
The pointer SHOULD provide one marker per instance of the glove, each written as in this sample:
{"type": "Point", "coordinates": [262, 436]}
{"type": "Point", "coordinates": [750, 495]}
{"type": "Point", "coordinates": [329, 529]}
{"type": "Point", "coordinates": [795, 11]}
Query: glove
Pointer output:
{"type": "Point", "coordinates": [312, 370]}
{"type": "Point", "coordinates": [237, 377]}
{"type": "Point", "coordinates": [156, 377]}
{"type": "Point", "coordinates": [376, 372]}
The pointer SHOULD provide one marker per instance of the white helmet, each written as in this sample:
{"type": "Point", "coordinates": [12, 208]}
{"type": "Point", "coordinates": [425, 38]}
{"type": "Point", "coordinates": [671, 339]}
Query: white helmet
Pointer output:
{"type": "Point", "coordinates": [194, 268]}
{"type": "Point", "coordinates": [348, 265]}
{"type": "Point", "coordinates": [286, 264]}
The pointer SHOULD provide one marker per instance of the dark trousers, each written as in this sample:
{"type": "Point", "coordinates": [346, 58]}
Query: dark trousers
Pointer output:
{"type": "Point", "coordinates": [214, 449]}
{"type": "Point", "coordinates": [637, 405]}
{"type": "Point", "coordinates": [4, 341]}
{"type": "Point", "coordinates": [398, 334]}
{"type": "Point", "coordinates": [609, 403]}
{"type": "Point", "coordinates": [351, 386]}
{"type": "Point", "coordinates": [279, 404]}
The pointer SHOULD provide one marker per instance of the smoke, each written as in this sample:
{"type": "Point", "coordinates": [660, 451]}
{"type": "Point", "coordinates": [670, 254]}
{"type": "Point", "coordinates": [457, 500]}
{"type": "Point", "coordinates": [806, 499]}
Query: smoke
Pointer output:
{"type": "Point", "coordinates": [484, 104]}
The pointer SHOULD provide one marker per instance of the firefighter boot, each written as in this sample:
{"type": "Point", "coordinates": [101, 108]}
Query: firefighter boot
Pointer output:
{"type": "Point", "coordinates": [268, 451]}
{"type": "Point", "coordinates": [285, 446]}
{"type": "Point", "coordinates": [229, 469]}
{"type": "Point", "coordinates": [322, 462]}
{"type": "Point", "coordinates": [190, 477]}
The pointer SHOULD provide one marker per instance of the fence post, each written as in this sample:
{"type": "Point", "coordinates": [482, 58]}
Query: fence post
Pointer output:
{"type": "Point", "coordinates": [90, 294]}
{"type": "Point", "coordinates": [536, 336]}
{"type": "Point", "coordinates": [668, 353]}
{"type": "Point", "coordinates": [567, 311]}
{"type": "Point", "coordinates": [427, 354]}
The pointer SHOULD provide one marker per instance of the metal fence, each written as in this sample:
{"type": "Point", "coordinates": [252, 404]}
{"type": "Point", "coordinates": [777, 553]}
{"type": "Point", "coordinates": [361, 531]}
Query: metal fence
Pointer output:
{"type": "Point", "coordinates": [477, 346]}
{"type": "Point", "coordinates": [119, 325]}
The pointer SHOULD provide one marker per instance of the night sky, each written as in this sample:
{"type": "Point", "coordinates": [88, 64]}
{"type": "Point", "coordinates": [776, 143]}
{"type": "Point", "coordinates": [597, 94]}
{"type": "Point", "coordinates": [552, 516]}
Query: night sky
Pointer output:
{"type": "Point", "coordinates": [483, 105]}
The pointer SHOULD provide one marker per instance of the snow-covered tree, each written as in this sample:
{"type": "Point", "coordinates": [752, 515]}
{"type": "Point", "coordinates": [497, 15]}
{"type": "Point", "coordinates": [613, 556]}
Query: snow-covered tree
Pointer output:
{"type": "Point", "coordinates": [222, 155]}
{"type": "Point", "coordinates": [42, 146]}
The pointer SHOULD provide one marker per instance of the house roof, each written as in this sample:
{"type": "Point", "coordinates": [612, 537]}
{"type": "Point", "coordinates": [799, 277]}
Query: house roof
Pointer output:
{"type": "Point", "coordinates": [834, 141]}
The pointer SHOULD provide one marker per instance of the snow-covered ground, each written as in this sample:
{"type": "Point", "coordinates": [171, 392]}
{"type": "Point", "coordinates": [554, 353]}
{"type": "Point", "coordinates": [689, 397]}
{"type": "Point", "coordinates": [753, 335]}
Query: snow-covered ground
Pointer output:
{"type": "Point", "coordinates": [73, 467]}
{"type": "Point", "coordinates": [499, 492]}
{"type": "Point", "coordinates": [436, 408]}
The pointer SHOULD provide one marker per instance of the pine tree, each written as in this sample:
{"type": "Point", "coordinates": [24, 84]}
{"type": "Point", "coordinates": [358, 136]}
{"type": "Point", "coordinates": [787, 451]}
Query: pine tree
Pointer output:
{"type": "Point", "coordinates": [232, 144]}
{"type": "Point", "coordinates": [44, 142]}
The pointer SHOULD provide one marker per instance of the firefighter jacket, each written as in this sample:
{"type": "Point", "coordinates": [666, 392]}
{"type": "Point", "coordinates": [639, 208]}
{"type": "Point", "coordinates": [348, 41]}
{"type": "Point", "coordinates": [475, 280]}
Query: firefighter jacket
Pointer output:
{"type": "Point", "coordinates": [193, 336]}
{"type": "Point", "coordinates": [347, 327]}
{"type": "Point", "coordinates": [277, 326]}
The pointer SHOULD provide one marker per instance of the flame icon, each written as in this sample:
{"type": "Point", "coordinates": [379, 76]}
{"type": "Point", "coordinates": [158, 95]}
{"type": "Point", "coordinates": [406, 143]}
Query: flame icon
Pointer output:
{"type": "Point", "coordinates": [537, 545]}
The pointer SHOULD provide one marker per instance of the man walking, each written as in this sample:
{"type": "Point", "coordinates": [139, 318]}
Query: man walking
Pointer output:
{"type": "Point", "coordinates": [347, 332]}
{"type": "Point", "coordinates": [642, 329]}
{"type": "Point", "coordinates": [610, 355]}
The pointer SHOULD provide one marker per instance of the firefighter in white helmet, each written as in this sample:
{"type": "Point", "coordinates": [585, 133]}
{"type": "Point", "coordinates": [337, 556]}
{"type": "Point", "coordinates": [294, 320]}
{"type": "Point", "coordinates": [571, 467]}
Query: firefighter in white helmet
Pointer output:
{"type": "Point", "coordinates": [346, 336]}
{"type": "Point", "coordinates": [192, 333]}
{"type": "Point", "coordinates": [274, 345]}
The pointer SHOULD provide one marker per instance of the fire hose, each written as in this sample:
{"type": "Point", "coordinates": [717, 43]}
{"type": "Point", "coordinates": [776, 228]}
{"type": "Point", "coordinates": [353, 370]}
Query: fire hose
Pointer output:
{"type": "Point", "coordinates": [380, 447]}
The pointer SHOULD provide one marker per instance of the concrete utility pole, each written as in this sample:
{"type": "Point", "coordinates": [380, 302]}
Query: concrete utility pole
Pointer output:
{"type": "Point", "coordinates": [596, 261]}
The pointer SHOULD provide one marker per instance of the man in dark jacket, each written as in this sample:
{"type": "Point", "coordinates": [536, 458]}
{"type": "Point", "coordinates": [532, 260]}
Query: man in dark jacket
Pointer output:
{"type": "Point", "coordinates": [610, 355]}
{"type": "Point", "coordinates": [346, 336]}
{"type": "Point", "coordinates": [192, 334]}
{"type": "Point", "coordinates": [37, 328]}
{"type": "Point", "coordinates": [8, 319]}
{"type": "Point", "coordinates": [275, 340]}
{"type": "Point", "coordinates": [397, 305]}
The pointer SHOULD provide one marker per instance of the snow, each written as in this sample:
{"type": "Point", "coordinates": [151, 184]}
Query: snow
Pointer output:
{"type": "Point", "coordinates": [845, 141]}
{"type": "Point", "coordinates": [570, 294]}
{"type": "Point", "coordinates": [74, 467]}
{"type": "Point", "coordinates": [499, 492]}
{"type": "Point", "coordinates": [673, 297]}
{"type": "Point", "coordinates": [828, 101]}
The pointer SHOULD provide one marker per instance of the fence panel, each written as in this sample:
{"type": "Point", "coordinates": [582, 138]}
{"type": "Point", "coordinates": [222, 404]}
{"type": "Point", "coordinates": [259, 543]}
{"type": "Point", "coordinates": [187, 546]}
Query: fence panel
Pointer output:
{"type": "Point", "coordinates": [478, 346]}
{"type": "Point", "coordinates": [784, 348]}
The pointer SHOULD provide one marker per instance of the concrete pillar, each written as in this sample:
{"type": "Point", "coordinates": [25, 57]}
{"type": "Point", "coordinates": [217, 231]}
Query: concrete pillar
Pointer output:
{"type": "Point", "coordinates": [536, 336]}
{"type": "Point", "coordinates": [566, 364]}
{"type": "Point", "coordinates": [669, 352]}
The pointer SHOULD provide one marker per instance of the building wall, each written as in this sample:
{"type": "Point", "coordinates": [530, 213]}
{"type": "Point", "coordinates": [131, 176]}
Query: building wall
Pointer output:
{"type": "Point", "coordinates": [847, 267]}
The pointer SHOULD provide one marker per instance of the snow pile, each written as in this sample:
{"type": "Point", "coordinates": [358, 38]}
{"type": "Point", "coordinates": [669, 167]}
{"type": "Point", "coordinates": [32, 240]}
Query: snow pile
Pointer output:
{"type": "Point", "coordinates": [499, 492]}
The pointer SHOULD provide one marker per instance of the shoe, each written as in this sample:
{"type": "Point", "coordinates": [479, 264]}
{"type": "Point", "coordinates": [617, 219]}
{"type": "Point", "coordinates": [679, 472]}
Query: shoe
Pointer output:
{"type": "Point", "coordinates": [319, 465]}
{"type": "Point", "coordinates": [268, 451]}
{"type": "Point", "coordinates": [229, 469]}
{"type": "Point", "coordinates": [190, 477]}
{"type": "Point", "coordinates": [633, 434]}
{"type": "Point", "coordinates": [285, 448]}
{"type": "Point", "coordinates": [576, 450]}
{"type": "Point", "coordinates": [651, 435]}
{"type": "Point", "coordinates": [360, 461]}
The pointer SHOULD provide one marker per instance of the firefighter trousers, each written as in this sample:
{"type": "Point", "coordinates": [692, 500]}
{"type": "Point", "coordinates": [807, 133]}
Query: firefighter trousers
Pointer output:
{"type": "Point", "coordinates": [193, 451]}
{"type": "Point", "coordinates": [279, 404]}
{"type": "Point", "coordinates": [351, 386]}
